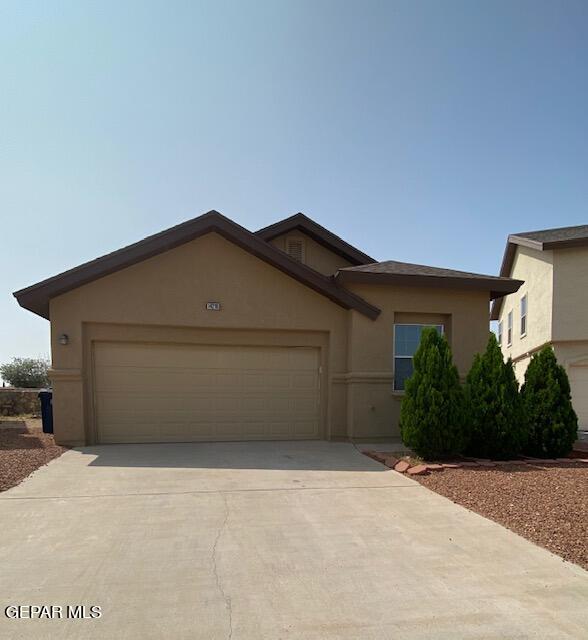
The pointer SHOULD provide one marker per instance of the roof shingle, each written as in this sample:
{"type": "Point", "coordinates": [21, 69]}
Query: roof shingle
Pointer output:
{"type": "Point", "coordinates": [394, 272]}
{"type": "Point", "coordinates": [410, 269]}
{"type": "Point", "coordinates": [560, 234]}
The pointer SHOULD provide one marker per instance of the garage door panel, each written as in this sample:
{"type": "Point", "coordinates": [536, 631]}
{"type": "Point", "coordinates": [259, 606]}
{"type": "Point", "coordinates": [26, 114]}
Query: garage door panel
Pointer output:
{"type": "Point", "coordinates": [579, 389]}
{"type": "Point", "coordinates": [159, 393]}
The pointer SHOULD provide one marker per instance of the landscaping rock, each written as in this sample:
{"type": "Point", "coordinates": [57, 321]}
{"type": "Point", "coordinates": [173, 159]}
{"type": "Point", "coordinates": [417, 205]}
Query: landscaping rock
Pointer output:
{"type": "Point", "coordinates": [435, 467]}
{"type": "Point", "coordinates": [402, 466]}
{"type": "Point", "coordinates": [391, 462]}
{"type": "Point", "coordinates": [452, 465]}
{"type": "Point", "coordinates": [417, 470]}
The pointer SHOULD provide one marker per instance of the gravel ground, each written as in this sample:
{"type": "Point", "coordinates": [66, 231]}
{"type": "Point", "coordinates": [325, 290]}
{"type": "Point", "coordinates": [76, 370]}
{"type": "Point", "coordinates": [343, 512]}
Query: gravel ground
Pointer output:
{"type": "Point", "coordinates": [545, 504]}
{"type": "Point", "coordinates": [23, 449]}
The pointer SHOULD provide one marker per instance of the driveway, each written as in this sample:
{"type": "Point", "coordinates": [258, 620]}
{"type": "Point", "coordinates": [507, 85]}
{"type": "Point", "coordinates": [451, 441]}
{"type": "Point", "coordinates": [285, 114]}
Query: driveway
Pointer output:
{"type": "Point", "coordinates": [268, 540]}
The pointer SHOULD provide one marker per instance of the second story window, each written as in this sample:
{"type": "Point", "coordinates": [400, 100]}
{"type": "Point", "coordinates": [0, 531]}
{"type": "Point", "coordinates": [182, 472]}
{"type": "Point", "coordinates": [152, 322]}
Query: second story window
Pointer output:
{"type": "Point", "coordinates": [509, 329]}
{"type": "Point", "coordinates": [524, 315]}
{"type": "Point", "coordinates": [500, 333]}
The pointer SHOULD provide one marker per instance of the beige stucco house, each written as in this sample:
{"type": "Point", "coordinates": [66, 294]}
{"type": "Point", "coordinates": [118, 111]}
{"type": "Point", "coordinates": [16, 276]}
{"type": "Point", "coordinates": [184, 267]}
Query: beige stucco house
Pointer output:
{"type": "Point", "coordinates": [551, 307]}
{"type": "Point", "coordinates": [208, 331]}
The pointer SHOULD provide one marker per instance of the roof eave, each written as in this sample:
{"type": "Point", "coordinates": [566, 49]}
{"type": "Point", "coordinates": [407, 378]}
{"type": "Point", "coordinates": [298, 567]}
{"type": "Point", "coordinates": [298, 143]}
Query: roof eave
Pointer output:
{"type": "Point", "coordinates": [495, 287]}
{"type": "Point", "coordinates": [36, 297]}
{"type": "Point", "coordinates": [525, 242]}
{"type": "Point", "coordinates": [565, 244]}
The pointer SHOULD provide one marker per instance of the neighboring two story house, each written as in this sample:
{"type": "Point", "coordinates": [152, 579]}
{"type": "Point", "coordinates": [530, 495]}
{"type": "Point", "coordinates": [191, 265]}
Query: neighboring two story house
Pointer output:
{"type": "Point", "coordinates": [551, 307]}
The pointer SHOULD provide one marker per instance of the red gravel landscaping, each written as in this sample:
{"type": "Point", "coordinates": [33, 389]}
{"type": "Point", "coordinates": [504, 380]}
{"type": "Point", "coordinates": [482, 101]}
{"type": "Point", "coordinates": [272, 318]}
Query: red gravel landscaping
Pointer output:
{"type": "Point", "coordinates": [23, 449]}
{"type": "Point", "coordinates": [545, 503]}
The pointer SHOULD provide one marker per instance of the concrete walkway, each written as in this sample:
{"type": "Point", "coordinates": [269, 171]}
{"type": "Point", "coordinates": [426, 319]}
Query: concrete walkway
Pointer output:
{"type": "Point", "coordinates": [268, 541]}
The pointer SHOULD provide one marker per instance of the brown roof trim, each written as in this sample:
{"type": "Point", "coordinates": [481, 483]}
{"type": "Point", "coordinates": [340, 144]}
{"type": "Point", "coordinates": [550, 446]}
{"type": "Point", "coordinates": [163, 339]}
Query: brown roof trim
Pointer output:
{"type": "Point", "coordinates": [36, 297]}
{"type": "Point", "coordinates": [515, 239]}
{"type": "Point", "coordinates": [497, 287]}
{"type": "Point", "coordinates": [323, 236]}
{"type": "Point", "coordinates": [505, 269]}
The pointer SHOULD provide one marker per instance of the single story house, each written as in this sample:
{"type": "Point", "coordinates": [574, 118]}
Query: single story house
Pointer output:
{"type": "Point", "coordinates": [208, 331]}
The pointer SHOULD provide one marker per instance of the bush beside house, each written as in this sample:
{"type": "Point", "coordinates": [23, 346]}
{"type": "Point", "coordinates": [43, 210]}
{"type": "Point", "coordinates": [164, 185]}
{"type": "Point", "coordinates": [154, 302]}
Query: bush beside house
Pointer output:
{"type": "Point", "coordinates": [432, 410]}
{"type": "Point", "coordinates": [553, 424]}
{"type": "Point", "coordinates": [488, 417]}
{"type": "Point", "coordinates": [497, 427]}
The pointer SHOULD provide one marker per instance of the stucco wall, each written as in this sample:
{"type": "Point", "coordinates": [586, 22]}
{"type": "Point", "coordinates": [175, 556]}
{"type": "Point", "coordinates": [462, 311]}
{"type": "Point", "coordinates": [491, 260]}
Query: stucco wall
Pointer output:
{"type": "Point", "coordinates": [536, 269]}
{"type": "Point", "coordinates": [372, 404]}
{"type": "Point", "coordinates": [570, 291]}
{"type": "Point", "coordinates": [316, 256]}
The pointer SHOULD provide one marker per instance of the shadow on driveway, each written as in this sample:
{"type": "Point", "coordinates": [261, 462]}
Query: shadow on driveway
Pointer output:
{"type": "Point", "coordinates": [283, 455]}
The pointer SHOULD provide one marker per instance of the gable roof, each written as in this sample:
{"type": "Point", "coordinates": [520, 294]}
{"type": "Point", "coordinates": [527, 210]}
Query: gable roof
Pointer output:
{"type": "Point", "coordinates": [542, 240]}
{"type": "Point", "coordinates": [323, 236]}
{"type": "Point", "coordinates": [36, 297]}
{"type": "Point", "coordinates": [393, 272]}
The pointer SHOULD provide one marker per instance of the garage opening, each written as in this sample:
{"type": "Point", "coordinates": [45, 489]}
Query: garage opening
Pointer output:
{"type": "Point", "coordinates": [181, 393]}
{"type": "Point", "coordinates": [579, 388]}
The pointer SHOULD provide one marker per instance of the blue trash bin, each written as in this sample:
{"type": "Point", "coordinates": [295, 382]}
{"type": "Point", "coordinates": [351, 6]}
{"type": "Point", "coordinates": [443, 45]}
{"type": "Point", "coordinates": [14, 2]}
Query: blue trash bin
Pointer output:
{"type": "Point", "coordinates": [46, 398]}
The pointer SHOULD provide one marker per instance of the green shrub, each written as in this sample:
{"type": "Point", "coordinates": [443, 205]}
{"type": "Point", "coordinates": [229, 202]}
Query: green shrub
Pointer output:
{"type": "Point", "coordinates": [553, 423]}
{"type": "Point", "coordinates": [497, 426]}
{"type": "Point", "coordinates": [26, 372]}
{"type": "Point", "coordinates": [432, 410]}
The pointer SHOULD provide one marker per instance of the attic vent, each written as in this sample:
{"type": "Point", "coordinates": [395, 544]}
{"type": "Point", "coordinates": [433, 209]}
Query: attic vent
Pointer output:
{"type": "Point", "coordinates": [295, 248]}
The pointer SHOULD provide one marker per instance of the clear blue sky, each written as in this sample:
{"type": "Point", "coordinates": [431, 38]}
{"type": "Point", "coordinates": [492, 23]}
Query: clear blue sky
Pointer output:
{"type": "Point", "coordinates": [422, 131]}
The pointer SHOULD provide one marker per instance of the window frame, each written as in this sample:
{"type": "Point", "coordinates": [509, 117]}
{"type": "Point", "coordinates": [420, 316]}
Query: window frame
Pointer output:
{"type": "Point", "coordinates": [509, 327]}
{"type": "Point", "coordinates": [500, 333]}
{"type": "Point", "coordinates": [524, 315]}
{"type": "Point", "coordinates": [394, 356]}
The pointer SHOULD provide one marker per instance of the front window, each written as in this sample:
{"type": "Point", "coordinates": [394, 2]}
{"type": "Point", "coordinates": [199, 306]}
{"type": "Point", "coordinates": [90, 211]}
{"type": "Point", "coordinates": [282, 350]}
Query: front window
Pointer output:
{"type": "Point", "coordinates": [509, 329]}
{"type": "Point", "coordinates": [524, 315]}
{"type": "Point", "coordinates": [500, 333]}
{"type": "Point", "coordinates": [407, 338]}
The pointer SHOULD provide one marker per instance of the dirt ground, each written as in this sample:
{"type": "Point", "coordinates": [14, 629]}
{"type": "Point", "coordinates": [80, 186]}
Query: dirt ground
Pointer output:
{"type": "Point", "coordinates": [23, 449]}
{"type": "Point", "coordinates": [547, 504]}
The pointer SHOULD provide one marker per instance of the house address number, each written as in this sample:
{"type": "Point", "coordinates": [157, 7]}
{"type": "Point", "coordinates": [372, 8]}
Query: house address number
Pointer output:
{"type": "Point", "coordinates": [213, 306]}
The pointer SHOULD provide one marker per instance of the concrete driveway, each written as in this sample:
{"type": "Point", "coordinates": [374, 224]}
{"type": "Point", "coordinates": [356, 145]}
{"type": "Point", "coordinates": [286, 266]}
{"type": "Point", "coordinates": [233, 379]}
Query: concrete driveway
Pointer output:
{"type": "Point", "coordinates": [268, 540]}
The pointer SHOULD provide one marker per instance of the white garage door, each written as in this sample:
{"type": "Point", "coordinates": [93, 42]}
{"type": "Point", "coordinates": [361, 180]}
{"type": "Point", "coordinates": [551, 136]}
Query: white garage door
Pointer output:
{"type": "Point", "coordinates": [179, 393]}
{"type": "Point", "coordinates": [579, 385]}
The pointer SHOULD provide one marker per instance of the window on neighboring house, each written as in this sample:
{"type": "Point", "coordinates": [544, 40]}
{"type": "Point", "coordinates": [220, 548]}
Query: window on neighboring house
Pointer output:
{"type": "Point", "coordinates": [509, 329]}
{"type": "Point", "coordinates": [500, 333]}
{"type": "Point", "coordinates": [406, 341]}
{"type": "Point", "coordinates": [524, 315]}
{"type": "Point", "coordinates": [295, 248]}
